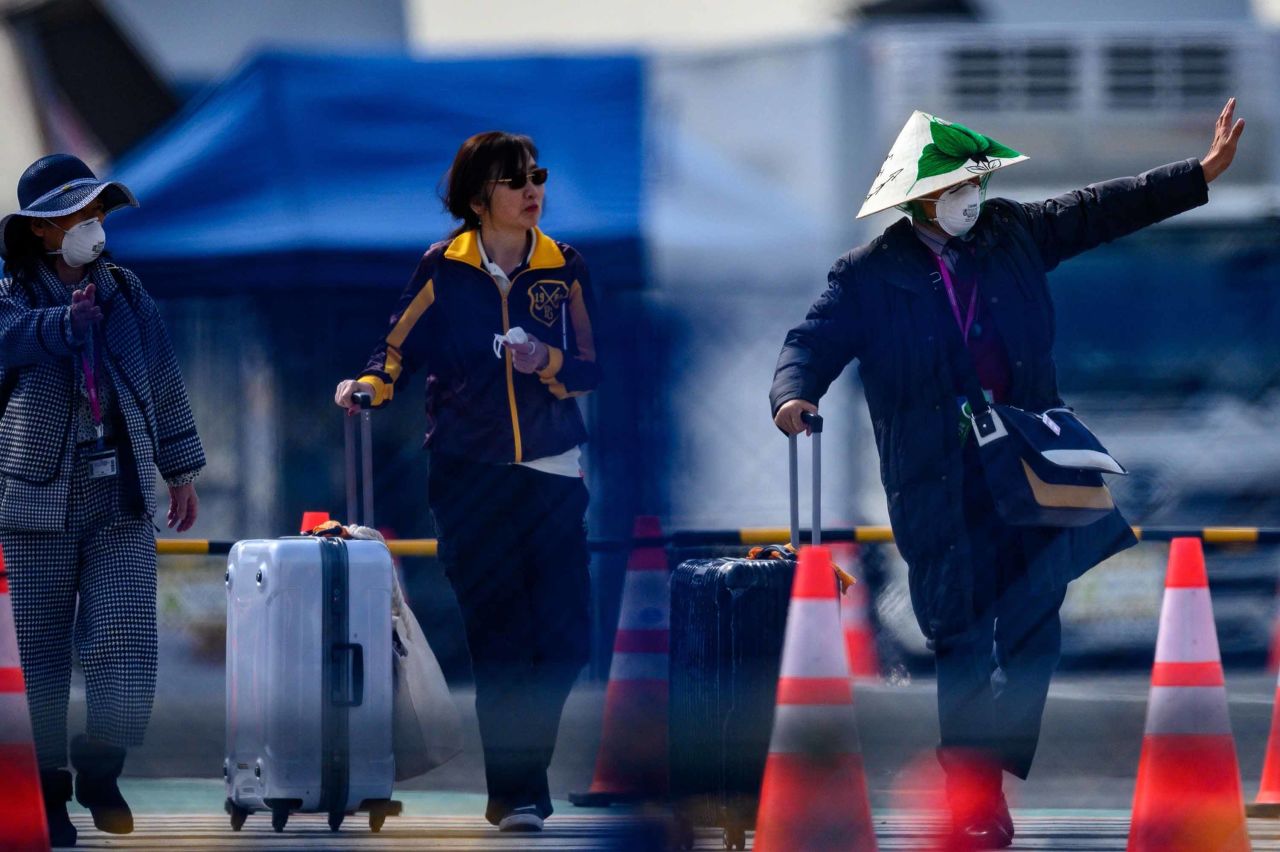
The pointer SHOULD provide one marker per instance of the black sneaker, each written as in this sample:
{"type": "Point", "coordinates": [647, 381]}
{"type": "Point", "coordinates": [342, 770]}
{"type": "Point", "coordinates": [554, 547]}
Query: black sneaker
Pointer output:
{"type": "Point", "coordinates": [522, 819]}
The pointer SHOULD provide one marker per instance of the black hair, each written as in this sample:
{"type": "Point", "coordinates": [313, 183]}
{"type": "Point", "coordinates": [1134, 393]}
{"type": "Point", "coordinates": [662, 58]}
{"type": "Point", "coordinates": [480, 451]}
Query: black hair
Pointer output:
{"type": "Point", "coordinates": [483, 158]}
{"type": "Point", "coordinates": [23, 250]}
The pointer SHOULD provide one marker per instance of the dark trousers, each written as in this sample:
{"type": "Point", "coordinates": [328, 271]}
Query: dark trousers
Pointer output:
{"type": "Point", "coordinates": [513, 544]}
{"type": "Point", "coordinates": [993, 678]}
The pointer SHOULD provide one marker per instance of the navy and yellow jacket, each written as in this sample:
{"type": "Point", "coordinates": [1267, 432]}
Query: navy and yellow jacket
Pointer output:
{"type": "Point", "coordinates": [478, 405]}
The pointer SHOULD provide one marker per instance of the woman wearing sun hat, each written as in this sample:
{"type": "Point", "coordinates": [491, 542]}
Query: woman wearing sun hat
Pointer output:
{"type": "Point", "coordinates": [91, 405]}
{"type": "Point", "coordinates": [964, 264]}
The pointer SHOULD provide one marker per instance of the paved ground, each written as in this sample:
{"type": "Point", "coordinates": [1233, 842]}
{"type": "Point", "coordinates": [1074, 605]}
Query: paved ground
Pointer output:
{"type": "Point", "coordinates": [1088, 755]}
{"type": "Point", "coordinates": [1038, 830]}
{"type": "Point", "coordinates": [1077, 798]}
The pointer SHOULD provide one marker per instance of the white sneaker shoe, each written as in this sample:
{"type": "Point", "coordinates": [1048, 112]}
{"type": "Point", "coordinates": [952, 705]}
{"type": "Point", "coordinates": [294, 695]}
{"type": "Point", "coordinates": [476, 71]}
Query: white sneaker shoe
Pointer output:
{"type": "Point", "coordinates": [524, 818]}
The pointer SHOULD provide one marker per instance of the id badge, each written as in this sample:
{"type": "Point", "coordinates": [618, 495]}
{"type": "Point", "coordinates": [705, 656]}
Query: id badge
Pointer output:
{"type": "Point", "coordinates": [102, 464]}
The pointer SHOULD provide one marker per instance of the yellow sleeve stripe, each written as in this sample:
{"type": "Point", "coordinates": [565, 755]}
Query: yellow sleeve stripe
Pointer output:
{"type": "Point", "coordinates": [410, 317]}
{"type": "Point", "coordinates": [548, 376]}
{"type": "Point", "coordinates": [393, 363]}
{"type": "Point", "coordinates": [555, 360]}
{"type": "Point", "coordinates": [382, 392]}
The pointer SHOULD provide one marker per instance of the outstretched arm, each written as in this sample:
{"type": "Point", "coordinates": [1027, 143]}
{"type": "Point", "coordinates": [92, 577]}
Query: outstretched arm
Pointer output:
{"type": "Point", "coordinates": [1069, 224]}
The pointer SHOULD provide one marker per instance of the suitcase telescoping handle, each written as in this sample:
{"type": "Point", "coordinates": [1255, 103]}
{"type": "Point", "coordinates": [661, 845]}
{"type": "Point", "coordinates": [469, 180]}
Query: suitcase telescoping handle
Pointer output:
{"type": "Point", "coordinates": [363, 402]}
{"type": "Point", "coordinates": [814, 421]}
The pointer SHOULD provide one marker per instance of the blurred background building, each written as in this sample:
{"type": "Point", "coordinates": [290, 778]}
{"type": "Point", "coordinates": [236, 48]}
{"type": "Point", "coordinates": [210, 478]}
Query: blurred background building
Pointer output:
{"type": "Point", "coordinates": [708, 158]}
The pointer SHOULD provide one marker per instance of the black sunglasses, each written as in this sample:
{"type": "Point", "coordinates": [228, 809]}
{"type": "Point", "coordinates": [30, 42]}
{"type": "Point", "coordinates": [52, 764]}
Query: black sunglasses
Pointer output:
{"type": "Point", "coordinates": [538, 177]}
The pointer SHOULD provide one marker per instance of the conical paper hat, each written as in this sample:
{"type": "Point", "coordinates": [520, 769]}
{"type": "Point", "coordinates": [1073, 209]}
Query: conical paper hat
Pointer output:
{"type": "Point", "coordinates": [932, 154]}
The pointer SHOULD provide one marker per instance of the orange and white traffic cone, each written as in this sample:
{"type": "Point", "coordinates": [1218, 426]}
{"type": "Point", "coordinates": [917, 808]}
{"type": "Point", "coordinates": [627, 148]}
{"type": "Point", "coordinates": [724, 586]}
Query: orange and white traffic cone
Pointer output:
{"type": "Point", "coordinates": [632, 762]}
{"type": "Point", "coordinates": [1188, 796]}
{"type": "Point", "coordinates": [22, 820]}
{"type": "Point", "coordinates": [855, 617]}
{"type": "Point", "coordinates": [1268, 802]}
{"type": "Point", "coordinates": [814, 794]}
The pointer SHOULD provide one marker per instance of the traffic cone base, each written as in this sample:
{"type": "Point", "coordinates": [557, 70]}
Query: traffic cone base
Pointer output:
{"type": "Point", "coordinates": [22, 819]}
{"type": "Point", "coordinates": [22, 806]}
{"type": "Point", "coordinates": [1267, 803]}
{"type": "Point", "coordinates": [1189, 796]}
{"type": "Point", "coordinates": [630, 772]}
{"type": "Point", "coordinates": [790, 782]}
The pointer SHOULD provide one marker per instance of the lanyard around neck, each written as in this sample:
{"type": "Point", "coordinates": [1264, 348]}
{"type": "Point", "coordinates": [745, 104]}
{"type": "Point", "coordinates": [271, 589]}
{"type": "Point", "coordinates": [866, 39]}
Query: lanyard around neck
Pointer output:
{"type": "Point", "coordinates": [88, 362]}
{"type": "Point", "coordinates": [967, 322]}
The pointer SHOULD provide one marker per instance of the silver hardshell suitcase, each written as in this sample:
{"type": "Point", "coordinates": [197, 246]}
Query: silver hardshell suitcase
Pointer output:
{"type": "Point", "coordinates": [309, 677]}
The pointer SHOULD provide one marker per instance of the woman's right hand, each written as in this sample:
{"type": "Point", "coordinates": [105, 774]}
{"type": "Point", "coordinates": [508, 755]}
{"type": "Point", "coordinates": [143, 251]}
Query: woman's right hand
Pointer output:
{"type": "Point", "coordinates": [788, 417]}
{"type": "Point", "coordinates": [84, 312]}
{"type": "Point", "coordinates": [349, 388]}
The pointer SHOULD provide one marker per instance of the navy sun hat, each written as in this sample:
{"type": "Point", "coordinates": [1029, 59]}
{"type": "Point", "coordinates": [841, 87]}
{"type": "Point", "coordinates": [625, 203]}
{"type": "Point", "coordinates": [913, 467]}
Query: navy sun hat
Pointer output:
{"type": "Point", "coordinates": [58, 185]}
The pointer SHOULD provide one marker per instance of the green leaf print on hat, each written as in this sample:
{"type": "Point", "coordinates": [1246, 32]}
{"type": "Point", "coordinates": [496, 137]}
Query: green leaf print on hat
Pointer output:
{"type": "Point", "coordinates": [953, 145]}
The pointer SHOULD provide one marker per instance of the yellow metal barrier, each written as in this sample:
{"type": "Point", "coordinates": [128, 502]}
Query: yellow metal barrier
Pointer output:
{"type": "Point", "coordinates": [428, 547]}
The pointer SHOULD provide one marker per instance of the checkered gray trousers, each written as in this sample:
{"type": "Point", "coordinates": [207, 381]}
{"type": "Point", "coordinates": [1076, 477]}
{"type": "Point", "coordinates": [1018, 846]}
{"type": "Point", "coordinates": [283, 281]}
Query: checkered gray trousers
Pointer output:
{"type": "Point", "coordinates": [105, 562]}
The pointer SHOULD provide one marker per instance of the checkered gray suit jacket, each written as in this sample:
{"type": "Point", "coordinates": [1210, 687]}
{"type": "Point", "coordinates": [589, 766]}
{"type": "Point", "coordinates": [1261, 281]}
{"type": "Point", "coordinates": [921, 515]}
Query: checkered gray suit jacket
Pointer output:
{"type": "Point", "coordinates": [38, 357]}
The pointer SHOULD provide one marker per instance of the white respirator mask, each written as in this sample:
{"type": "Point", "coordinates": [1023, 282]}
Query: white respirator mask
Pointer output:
{"type": "Point", "coordinates": [83, 243]}
{"type": "Point", "coordinates": [957, 209]}
{"type": "Point", "coordinates": [516, 337]}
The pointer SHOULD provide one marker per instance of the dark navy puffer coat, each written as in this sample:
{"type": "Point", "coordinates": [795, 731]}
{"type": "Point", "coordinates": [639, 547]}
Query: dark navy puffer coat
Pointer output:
{"type": "Point", "coordinates": [884, 307]}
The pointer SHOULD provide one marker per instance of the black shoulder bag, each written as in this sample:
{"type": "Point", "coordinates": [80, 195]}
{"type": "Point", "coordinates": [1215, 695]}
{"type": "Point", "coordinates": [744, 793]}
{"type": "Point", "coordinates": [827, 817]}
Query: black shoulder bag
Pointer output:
{"type": "Point", "coordinates": [1044, 468]}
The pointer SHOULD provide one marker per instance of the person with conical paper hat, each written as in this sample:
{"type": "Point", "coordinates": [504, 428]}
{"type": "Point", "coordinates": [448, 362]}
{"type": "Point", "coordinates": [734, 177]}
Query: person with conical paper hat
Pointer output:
{"type": "Point", "coordinates": [949, 305]}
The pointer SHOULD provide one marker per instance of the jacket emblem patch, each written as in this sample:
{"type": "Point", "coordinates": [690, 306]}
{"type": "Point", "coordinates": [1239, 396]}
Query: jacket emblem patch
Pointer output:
{"type": "Point", "coordinates": [545, 300]}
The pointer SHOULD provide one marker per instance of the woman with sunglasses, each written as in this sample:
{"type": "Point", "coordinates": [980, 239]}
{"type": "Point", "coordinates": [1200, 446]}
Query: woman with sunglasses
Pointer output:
{"type": "Point", "coordinates": [498, 315]}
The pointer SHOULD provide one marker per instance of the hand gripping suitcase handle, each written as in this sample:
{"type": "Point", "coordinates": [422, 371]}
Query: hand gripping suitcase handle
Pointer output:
{"type": "Point", "coordinates": [814, 421]}
{"type": "Point", "coordinates": [362, 477]}
{"type": "Point", "coordinates": [348, 675]}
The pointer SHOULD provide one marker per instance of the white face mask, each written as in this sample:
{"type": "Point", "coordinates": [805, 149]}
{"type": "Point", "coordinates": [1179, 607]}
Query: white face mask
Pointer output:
{"type": "Point", "coordinates": [82, 243]}
{"type": "Point", "coordinates": [957, 209]}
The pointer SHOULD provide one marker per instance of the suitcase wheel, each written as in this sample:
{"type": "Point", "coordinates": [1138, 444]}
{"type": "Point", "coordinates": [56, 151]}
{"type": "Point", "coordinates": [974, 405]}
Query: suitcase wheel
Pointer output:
{"type": "Point", "coordinates": [238, 814]}
{"type": "Point", "coordinates": [735, 837]}
{"type": "Point", "coordinates": [335, 820]}
{"type": "Point", "coordinates": [279, 819]}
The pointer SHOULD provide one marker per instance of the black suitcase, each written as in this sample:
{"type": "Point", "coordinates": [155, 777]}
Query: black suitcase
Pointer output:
{"type": "Point", "coordinates": [728, 619]}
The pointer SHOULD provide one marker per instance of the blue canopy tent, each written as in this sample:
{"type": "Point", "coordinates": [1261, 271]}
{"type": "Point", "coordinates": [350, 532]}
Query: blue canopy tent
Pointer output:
{"type": "Point", "coordinates": [324, 170]}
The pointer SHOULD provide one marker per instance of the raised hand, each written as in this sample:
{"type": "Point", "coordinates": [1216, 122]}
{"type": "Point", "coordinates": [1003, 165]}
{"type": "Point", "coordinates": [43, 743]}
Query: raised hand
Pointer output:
{"type": "Point", "coordinates": [84, 313]}
{"type": "Point", "coordinates": [1223, 148]}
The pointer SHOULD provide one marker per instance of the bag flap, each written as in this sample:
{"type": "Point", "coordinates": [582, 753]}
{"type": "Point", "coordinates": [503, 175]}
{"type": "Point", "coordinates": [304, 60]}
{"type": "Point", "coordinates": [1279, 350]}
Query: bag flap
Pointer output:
{"type": "Point", "coordinates": [1060, 439]}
